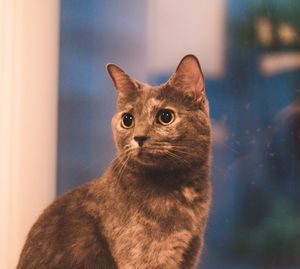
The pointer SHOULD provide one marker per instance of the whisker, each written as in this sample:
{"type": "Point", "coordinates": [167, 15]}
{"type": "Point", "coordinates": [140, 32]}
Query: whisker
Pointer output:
{"type": "Point", "coordinates": [124, 165]}
{"type": "Point", "coordinates": [173, 156]}
{"type": "Point", "coordinates": [174, 148]}
{"type": "Point", "coordinates": [121, 161]}
{"type": "Point", "coordinates": [183, 152]}
{"type": "Point", "coordinates": [178, 158]}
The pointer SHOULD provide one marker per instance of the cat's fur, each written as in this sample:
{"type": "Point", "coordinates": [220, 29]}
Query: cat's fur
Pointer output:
{"type": "Point", "coordinates": [149, 208]}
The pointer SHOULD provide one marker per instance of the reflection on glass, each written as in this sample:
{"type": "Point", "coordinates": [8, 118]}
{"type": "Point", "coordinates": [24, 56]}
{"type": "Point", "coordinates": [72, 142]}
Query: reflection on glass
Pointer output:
{"type": "Point", "coordinates": [255, 218]}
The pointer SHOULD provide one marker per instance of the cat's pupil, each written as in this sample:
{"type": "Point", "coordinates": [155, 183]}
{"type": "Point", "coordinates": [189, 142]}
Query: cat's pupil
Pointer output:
{"type": "Point", "coordinates": [127, 120]}
{"type": "Point", "coordinates": [165, 116]}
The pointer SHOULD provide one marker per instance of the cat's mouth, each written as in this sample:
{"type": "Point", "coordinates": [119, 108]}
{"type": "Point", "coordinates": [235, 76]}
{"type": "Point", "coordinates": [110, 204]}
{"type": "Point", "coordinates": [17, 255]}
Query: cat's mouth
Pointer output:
{"type": "Point", "coordinates": [153, 156]}
{"type": "Point", "coordinates": [146, 156]}
{"type": "Point", "coordinates": [150, 151]}
{"type": "Point", "coordinates": [159, 157]}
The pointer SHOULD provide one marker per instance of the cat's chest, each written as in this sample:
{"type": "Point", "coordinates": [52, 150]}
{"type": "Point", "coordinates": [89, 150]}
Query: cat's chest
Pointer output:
{"type": "Point", "coordinates": [143, 242]}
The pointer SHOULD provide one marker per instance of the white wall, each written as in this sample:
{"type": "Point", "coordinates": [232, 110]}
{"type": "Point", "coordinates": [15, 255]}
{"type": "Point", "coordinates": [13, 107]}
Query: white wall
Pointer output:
{"type": "Point", "coordinates": [176, 28]}
{"type": "Point", "coordinates": [28, 112]}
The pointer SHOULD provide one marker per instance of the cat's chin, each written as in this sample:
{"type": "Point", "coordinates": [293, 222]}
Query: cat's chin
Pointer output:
{"type": "Point", "coordinates": [145, 158]}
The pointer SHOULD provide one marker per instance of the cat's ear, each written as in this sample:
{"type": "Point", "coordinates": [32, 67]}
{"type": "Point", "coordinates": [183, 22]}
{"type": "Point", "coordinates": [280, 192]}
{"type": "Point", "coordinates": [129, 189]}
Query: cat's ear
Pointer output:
{"type": "Point", "coordinates": [122, 81]}
{"type": "Point", "coordinates": [189, 78]}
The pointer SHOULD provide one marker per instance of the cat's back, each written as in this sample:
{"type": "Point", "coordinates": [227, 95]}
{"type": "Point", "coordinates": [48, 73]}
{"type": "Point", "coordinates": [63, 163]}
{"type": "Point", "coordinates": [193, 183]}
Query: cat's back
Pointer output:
{"type": "Point", "coordinates": [68, 234]}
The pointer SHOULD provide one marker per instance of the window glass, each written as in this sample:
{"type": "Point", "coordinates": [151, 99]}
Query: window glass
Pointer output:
{"type": "Point", "coordinates": [250, 52]}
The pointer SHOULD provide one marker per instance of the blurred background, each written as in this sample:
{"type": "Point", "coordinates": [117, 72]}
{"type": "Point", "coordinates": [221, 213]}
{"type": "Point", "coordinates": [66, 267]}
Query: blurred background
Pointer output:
{"type": "Point", "coordinates": [250, 53]}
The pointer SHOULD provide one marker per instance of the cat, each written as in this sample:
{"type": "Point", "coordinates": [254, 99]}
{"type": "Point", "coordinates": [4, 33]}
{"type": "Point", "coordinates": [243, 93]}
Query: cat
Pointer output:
{"type": "Point", "coordinates": [150, 207]}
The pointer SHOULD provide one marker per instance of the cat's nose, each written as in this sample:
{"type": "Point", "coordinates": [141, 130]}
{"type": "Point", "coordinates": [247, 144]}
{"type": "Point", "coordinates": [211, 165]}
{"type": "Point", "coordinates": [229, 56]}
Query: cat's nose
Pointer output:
{"type": "Point", "coordinates": [141, 139]}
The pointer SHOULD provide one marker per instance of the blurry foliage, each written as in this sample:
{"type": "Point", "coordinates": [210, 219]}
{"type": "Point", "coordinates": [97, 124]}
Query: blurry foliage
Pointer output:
{"type": "Point", "coordinates": [267, 223]}
{"type": "Point", "coordinates": [243, 30]}
{"type": "Point", "coordinates": [275, 239]}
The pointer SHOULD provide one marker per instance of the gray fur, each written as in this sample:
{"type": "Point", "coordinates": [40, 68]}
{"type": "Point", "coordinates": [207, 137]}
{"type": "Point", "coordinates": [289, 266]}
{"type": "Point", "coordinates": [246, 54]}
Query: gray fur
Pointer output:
{"type": "Point", "coordinates": [149, 208]}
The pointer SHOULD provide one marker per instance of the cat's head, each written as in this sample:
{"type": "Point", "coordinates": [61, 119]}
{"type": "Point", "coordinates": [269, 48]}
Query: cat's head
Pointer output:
{"type": "Point", "coordinates": [164, 126]}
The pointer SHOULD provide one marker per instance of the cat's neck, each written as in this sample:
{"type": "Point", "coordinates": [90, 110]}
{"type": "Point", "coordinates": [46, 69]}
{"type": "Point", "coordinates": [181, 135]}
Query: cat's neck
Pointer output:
{"type": "Point", "coordinates": [142, 188]}
{"type": "Point", "coordinates": [166, 180]}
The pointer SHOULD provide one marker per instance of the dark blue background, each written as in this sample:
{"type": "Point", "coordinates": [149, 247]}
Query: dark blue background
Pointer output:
{"type": "Point", "coordinates": [256, 168]}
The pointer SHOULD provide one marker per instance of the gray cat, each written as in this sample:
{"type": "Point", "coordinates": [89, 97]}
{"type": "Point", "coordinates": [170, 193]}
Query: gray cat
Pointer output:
{"type": "Point", "coordinates": [149, 209]}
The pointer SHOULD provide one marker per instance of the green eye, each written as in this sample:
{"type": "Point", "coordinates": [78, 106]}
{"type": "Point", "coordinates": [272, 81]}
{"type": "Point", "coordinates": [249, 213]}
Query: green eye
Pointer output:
{"type": "Point", "coordinates": [127, 121]}
{"type": "Point", "coordinates": [165, 116]}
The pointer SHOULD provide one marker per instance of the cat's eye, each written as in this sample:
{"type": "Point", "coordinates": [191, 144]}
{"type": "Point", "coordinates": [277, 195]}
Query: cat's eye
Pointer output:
{"type": "Point", "coordinates": [127, 121]}
{"type": "Point", "coordinates": [165, 116]}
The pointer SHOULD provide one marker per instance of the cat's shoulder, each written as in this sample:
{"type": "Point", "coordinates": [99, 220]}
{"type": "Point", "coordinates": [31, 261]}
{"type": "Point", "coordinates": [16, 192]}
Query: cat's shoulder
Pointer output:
{"type": "Point", "coordinates": [84, 198]}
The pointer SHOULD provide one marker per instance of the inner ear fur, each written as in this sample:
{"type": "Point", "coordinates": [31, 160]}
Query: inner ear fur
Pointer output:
{"type": "Point", "coordinates": [124, 83]}
{"type": "Point", "coordinates": [189, 77]}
